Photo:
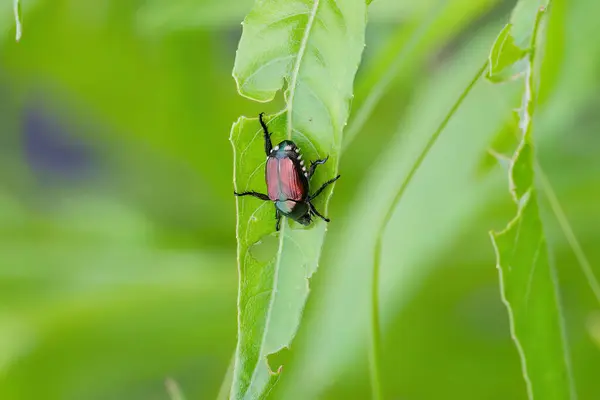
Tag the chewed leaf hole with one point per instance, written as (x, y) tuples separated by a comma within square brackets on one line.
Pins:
[(265, 249), (277, 360)]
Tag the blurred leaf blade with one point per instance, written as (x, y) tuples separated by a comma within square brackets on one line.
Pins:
[(314, 47), (528, 282), (523, 20), (375, 334), (341, 325), (166, 16), (409, 45), (505, 57)]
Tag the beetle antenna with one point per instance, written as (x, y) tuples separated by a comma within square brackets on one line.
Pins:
[(263, 124)]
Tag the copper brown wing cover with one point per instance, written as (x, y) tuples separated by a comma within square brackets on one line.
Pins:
[(283, 180)]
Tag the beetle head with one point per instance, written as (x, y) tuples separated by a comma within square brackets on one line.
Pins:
[(304, 219)]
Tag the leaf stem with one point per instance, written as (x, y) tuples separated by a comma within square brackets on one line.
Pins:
[(529, 95), (173, 389), (375, 351), (17, 12)]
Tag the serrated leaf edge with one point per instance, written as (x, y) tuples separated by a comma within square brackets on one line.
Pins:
[(513, 334)]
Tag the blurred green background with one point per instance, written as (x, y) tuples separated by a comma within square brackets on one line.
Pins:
[(117, 239)]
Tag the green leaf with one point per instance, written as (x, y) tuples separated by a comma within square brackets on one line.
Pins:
[(506, 59), (527, 282), (314, 47), (274, 268)]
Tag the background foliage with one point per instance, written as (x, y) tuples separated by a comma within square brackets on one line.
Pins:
[(117, 241)]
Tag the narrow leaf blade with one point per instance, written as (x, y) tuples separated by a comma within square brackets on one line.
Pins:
[(528, 282), (528, 290), (523, 20)]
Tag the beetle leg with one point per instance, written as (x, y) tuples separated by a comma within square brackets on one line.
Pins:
[(267, 135), (318, 192), (253, 194), (315, 212), (278, 219), (313, 166)]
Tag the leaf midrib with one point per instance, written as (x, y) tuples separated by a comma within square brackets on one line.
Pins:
[(289, 110), (296, 70)]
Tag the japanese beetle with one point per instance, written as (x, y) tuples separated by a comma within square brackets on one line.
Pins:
[(288, 181)]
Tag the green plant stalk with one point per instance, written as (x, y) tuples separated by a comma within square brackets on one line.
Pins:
[(17, 12), (174, 390), (530, 94), (375, 350), (518, 193), (375, 353)]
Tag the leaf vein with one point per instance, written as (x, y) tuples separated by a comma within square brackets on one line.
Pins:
[(263, 66), (296, 70), (260, 166), (249, 144), (282, 19), (295, 243), (252, 216), (320, 100), (536, 256)]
